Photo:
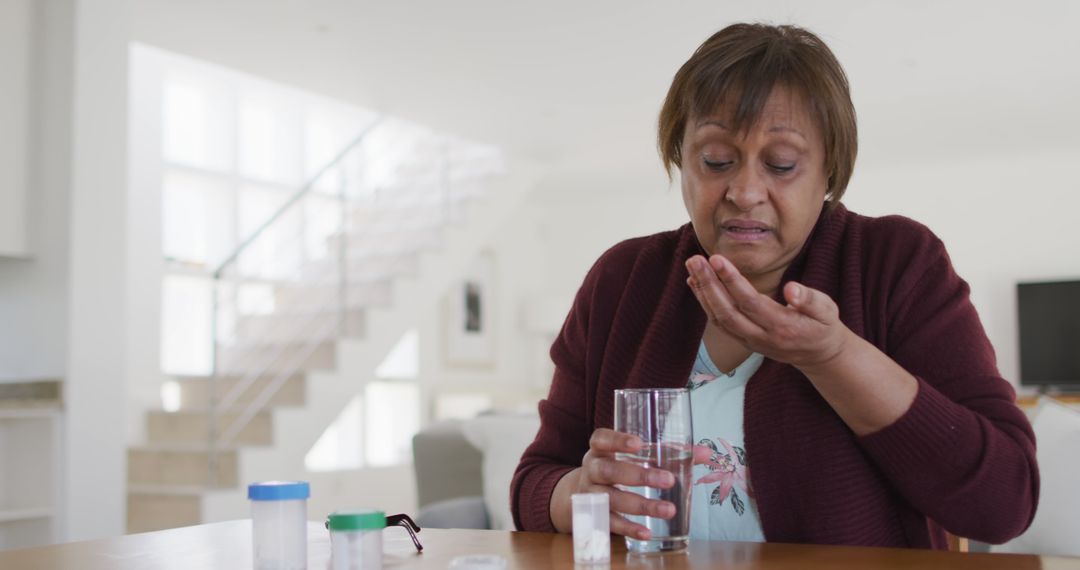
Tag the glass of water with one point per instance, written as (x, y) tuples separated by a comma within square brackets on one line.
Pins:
[(661, 418)]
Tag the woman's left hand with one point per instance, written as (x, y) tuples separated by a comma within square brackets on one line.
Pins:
[(806, 333)]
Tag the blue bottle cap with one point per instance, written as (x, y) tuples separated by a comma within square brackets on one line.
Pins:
[(279, 490)]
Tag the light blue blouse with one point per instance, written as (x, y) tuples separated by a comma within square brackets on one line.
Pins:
[(722, 505)]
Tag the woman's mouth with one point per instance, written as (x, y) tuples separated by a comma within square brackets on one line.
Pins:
[(745, 230)]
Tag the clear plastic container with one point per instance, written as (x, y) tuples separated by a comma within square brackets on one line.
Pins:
[(356, 539), (592, 528), (279, 524)]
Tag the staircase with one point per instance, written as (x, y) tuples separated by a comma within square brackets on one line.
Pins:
[(361, 269)]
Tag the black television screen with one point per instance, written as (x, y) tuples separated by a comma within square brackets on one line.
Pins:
[(1049, 333)]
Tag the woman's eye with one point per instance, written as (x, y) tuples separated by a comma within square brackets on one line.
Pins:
[(717, 165), (780, 168)]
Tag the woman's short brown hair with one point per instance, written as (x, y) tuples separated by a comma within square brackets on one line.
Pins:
[(739, 66)]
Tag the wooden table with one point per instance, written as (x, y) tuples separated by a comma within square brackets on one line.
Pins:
[(228, 545)]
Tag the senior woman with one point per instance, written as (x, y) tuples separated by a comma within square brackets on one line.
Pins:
[(838, 355)]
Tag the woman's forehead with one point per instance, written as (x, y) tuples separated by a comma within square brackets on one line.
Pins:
[(783, 112)]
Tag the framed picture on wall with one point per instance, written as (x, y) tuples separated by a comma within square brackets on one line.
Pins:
[(470, 340)]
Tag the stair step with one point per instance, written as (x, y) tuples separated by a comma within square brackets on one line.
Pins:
[(426, 219), (173, 490), (304, 299), (375, 267), (273, 358), (149, 511), (195, 392), (193, 427), (279, 328), (180, 465), (428, 206), (364, 243), (31, 391), (400, 215), (366, 266)]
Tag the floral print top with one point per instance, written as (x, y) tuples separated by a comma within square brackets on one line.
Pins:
[(722, 502)]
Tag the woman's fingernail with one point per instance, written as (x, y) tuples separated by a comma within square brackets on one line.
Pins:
[(796, 293)]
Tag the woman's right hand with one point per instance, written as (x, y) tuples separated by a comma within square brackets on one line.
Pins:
[(600, 472)]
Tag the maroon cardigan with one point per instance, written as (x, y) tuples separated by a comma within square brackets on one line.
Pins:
[(961, 458)]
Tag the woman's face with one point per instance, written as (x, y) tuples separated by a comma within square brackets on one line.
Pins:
[(755, 198)]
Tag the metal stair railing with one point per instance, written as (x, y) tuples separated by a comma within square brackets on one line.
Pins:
[(304, 246)]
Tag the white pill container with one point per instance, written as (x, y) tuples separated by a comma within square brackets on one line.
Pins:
[(356, 539), (592, 528), (279, 524)]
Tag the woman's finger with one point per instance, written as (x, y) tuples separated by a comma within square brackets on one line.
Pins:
[(717, 301), (607, 471), (760, 309), (811, 302), (629, 503), (607, 442), (621, 526)]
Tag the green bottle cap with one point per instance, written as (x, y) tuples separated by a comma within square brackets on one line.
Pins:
[(356, 520)]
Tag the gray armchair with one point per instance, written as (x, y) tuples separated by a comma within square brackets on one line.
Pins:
[(449, 479)]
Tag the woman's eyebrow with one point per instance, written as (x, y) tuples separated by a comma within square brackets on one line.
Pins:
[(711, 122), (775, 129), (786, 129)]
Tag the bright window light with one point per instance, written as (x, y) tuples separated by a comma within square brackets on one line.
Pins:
[(392, 419), (461, 406), (185, 325), (403, 361), (197, 217), (340, 447), (170, 396), (184, 110)]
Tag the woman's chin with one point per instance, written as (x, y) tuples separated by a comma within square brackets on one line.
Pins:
[(748, 263)]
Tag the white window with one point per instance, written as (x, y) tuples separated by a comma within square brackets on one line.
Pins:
[(234, 150), (376, 428)]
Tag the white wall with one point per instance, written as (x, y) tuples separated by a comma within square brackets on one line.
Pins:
[(389, 489), (145, 268), (33, 292), (506, 378), (16, 35), (541, 256), (95, 391), (579, 219), (1004, 219)]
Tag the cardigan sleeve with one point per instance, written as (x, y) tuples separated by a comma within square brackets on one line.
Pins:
[(963, 453), (565, 425)]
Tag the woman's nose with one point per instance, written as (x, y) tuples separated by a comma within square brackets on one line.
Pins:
[(746, 189)]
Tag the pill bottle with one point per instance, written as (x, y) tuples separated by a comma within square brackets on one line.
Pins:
[(279, 524), (356, 539), (592, 528)]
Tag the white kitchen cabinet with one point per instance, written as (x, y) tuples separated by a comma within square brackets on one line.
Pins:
[(30, 444)]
